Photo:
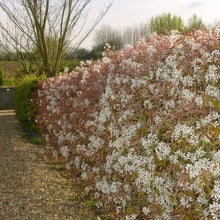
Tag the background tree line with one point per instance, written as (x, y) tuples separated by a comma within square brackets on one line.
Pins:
[(161, 24), (42, 45)]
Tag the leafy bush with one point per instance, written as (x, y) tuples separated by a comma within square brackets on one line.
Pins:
[(141, 127), (70, 64), (24, 106), (9, 82), (23, 71), (1, 76)]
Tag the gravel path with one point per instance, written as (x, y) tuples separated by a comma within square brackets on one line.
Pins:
[(30, 188)]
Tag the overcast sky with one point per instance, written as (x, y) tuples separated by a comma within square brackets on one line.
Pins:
[(133, 12)]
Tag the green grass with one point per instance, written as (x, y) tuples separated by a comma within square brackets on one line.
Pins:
[(8, 82)]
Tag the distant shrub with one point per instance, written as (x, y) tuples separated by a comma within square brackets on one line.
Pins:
[(23, 71), (1, 76), (161, 24), (9, 68), (23, 102), (70, 64)]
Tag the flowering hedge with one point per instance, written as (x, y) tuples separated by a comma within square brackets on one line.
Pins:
[(141, 127)]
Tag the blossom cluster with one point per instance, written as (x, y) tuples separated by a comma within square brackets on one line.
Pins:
[(141, 127)]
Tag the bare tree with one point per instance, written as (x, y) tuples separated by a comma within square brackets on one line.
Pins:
[(131, 33), (107, 34), (45, 28)]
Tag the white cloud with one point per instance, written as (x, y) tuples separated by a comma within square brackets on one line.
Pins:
[(193, 4)]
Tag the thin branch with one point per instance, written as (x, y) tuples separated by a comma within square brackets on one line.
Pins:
[(94, 25), (48, 32)]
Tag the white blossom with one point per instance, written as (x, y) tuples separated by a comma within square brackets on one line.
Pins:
[(188, 81), (182, 130), (162, 150), (143, 181), (215, 194), (64, 150), (151, 139), (106, 60), (146, 211), (212, 75), (212, 91), (106, 187), (131, 217), (188, 95), (147, 104), (214, 210), (199, 101)]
